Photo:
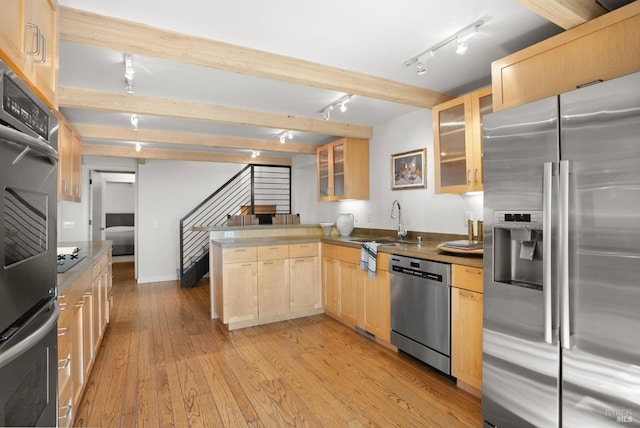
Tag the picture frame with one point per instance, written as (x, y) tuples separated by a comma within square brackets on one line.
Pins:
[(408, 170)]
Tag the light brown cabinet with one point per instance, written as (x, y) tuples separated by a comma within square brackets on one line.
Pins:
[(257, 285), (80, 332), (457, 141), (351, 296), (70, 164), (304, 277), (343, 170), (466, 327), (29, 43), (601, 49)]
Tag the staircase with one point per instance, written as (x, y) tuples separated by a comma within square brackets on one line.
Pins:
[(254, 185)]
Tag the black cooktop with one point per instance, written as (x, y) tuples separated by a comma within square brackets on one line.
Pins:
[(67, 261)]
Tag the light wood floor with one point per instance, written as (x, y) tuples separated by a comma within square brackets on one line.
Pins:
[(164, 363)]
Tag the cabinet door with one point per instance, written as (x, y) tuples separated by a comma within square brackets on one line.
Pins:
[(96, 315), (65, 166), (11, 32), (331, 285), (40, 47), (273, 288), (351, 282), (325, 180), (466, 337), (482, 104), (76, 167), (77, 347), (87, 334), (377, 305), (452, 141), (338, 170), (241, 299), (303, 284)]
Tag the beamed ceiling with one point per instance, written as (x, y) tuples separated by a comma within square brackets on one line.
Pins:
[(216, 80)]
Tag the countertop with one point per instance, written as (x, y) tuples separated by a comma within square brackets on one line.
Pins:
[(426, 250), (93, 251)]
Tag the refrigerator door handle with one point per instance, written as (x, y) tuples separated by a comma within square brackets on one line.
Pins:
[(563, 232), (547, 193)]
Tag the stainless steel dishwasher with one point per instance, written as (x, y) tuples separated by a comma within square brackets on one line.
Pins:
[(421, 310)]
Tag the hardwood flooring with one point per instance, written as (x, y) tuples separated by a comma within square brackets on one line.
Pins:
[(164, 363)]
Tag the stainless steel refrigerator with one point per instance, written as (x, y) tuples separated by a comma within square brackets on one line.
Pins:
[(561, 337)]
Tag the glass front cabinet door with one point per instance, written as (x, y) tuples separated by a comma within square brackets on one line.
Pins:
[(457, 126)]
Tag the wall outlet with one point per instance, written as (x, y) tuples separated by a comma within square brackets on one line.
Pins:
[(68, 225), (229, 234), (468, 215)]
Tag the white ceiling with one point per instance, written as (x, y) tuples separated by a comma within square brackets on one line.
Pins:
[(364, 36)]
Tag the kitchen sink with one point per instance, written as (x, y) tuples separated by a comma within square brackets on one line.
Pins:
[(378, 240)]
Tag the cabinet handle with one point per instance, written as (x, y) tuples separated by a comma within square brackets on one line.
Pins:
[(63, 306), (475, 175), (43, 59), (37, 37), (63, 364), (469, 177), (63, 331), (66, 415), (267, 263), (469, 295), (80, 305), (76, 190), (473, 272), (240, 251), (246, 264)]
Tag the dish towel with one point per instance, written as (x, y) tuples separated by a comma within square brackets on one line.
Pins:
[(368, 254)]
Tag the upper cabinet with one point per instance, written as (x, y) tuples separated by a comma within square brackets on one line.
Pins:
[(457, 141), (29, 44), (70, 164), (343, 170), (598, 50)]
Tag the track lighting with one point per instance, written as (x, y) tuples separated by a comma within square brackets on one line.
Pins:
[(134, 121), (461, 37), (284, 135), (255, 154), (342, 102), (138, 147), (128, 73)]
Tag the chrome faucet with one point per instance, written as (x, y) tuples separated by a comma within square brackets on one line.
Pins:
[(402, 230)]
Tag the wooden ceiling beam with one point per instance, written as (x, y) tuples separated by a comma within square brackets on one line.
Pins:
[(565, 13), (88, 99), (179, 155), (189, 139), (117, 34)]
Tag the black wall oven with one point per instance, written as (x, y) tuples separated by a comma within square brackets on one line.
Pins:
[(28, 307)]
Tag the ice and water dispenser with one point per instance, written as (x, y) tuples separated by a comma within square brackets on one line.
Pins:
[(518, 248)]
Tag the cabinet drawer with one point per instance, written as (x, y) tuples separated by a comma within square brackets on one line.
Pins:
[(273, 252), (469, 278), (328, 251), (348, 254), (64, 365), (239, 255), (303, 250), (65, 405)]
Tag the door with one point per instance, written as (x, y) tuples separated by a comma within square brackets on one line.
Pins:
[(600, 139), (520, 369)]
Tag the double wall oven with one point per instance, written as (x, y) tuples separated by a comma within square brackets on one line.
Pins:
[(28, 308)]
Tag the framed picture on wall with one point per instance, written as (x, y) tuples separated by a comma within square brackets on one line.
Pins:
[(408, 170)]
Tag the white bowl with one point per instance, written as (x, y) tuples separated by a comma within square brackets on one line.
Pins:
[(327, 228)]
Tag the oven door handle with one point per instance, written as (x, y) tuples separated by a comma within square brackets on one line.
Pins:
[(30, 143), (27, 343)]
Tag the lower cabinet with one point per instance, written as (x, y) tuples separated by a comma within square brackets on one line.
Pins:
[(466, 327), (351, 296), (83, 308), (257, 285)]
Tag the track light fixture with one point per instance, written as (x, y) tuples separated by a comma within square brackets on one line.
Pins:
[(128, 73), (138, 146), (255, 154), (285, 135), (461, 37), (341, 102), (134, 121)]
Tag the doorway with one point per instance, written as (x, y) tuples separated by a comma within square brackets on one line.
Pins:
[(113, 211)]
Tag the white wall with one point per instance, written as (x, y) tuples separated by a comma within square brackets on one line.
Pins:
[(118, 197), (167, 190)]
